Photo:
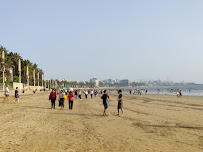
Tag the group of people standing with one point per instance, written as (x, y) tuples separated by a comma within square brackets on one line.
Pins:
[(86, 93), (106, 102), (70, 98), (62, 98), (69, 94), (137, 91)]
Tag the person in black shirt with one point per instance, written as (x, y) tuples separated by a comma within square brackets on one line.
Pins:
[(76, 94), (105, 98), (16, 96), (120, 103)]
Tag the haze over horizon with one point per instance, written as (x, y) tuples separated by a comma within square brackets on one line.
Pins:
[(79, 40)]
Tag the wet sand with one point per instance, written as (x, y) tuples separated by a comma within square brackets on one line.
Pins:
[(157, 123)]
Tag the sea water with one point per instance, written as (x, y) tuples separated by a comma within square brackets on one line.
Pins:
[(187, 90)]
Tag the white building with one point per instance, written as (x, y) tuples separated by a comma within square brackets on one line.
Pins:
[(64, 79), (95, 81)]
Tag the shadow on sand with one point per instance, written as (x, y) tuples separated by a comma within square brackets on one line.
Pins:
[(162, 126), (78, 114), (61, 111), (33, 107)]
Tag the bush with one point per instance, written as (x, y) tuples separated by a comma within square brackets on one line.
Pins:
[(9, 83), (15, 79)]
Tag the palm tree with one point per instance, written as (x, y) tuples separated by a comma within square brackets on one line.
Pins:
[(12, 60)]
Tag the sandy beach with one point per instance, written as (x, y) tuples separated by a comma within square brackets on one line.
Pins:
[(151, 123)]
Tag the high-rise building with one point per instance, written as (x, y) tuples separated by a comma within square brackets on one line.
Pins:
[(125, 82), (94, 81)]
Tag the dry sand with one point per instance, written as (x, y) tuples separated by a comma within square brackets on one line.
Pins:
[(156, 123)]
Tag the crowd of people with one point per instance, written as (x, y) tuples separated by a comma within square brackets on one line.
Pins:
[(158, 91), (70, 95), (137, 91)]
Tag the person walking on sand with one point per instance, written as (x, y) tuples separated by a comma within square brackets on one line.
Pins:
[(95, 93), (91, 93), (16, 96), (76, 94), (71, 99), (7, 92), (105, 98), (80, 94), (61, 99), (52, 97), (86, 93), (120, 103)]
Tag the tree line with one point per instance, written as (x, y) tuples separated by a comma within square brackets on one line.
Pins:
[(12, 60)]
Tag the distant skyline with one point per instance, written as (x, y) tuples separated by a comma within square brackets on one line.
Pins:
[(149, 80), (116, 39)]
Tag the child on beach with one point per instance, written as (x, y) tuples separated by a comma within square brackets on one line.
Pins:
[(6, 94), (120, 103), (180, 92), (16, 96), (71, 98), (105, 98), (52, 97)]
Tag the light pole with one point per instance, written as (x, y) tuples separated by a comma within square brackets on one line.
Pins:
[(38, 80), (34, 78), (4, 78), (48, 84), (19, 69), (28, 78), (45, 83), (42, 80), (3, 66)]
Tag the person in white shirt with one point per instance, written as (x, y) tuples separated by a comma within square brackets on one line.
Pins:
[(91, 93), (6, 94), (80, 94), (86, 93)]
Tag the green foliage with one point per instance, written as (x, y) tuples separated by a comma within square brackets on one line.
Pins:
[(15, 79), (12, 60), (9, 83)]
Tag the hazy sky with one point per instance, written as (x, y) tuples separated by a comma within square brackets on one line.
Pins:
[(81, 39)]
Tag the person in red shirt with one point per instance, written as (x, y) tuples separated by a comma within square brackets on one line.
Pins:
[(52, 97), (71, 98)]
